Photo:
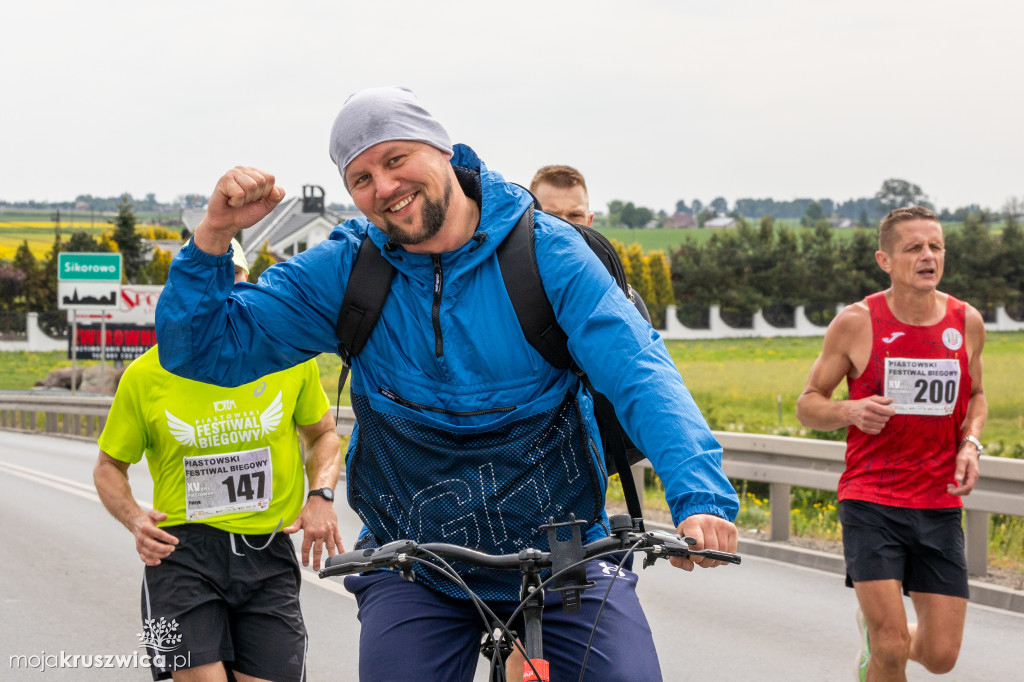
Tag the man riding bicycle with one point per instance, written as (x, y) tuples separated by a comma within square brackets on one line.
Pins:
[(465, 434)]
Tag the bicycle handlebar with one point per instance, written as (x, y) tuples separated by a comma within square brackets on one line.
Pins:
[(655, 544)]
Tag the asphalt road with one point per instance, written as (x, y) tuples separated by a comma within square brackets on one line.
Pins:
[(71, 585)]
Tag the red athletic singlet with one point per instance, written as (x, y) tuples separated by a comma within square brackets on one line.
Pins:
[(924, 369)]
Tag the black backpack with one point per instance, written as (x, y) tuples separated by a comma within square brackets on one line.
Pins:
[(370, 282)]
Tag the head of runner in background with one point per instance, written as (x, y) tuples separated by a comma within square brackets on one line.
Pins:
[(562, 192)]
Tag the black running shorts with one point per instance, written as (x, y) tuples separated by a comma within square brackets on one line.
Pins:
[(219, 597), (922, 548)]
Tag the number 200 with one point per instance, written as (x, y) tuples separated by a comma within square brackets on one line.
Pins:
[(936, 390)]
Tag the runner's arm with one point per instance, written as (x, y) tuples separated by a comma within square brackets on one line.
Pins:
[(110, 476), (318, 519), (815, 408), (967, 470)]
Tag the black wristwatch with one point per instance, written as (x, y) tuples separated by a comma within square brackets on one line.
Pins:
[(326, 493)]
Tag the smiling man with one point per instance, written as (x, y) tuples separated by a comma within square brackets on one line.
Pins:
[(911, 356), (465, 433)]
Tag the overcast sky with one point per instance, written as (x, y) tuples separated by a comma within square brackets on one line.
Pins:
[(653, 100)]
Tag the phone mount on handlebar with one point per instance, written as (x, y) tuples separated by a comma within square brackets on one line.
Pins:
[(569, 580)]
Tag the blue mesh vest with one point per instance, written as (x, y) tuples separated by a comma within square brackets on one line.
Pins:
[(488, 489)]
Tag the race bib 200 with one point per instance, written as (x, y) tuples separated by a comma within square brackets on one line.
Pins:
[(227, 484), (922, 387)]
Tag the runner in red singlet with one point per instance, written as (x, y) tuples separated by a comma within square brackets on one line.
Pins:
[(911, 356)]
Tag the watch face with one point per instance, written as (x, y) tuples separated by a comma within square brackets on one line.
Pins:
[(325, 493)]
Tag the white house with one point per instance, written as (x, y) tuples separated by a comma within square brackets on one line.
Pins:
[(724, 221)]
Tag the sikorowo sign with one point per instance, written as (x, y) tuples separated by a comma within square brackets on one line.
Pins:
[(89, 267), (88, 281)]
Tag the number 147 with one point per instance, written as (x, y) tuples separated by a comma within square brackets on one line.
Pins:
[(245, 488)]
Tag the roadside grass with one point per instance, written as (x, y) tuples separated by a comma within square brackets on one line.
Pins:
[(20, 370), (1006, 542)]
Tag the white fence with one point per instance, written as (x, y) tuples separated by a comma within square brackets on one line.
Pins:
[(35, 340), (674, 329), (761, 328)]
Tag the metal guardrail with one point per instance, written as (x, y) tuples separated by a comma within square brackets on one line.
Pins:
[(54, 413), (779, 461)]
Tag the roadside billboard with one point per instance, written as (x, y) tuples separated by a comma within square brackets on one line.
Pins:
[(123, 341)]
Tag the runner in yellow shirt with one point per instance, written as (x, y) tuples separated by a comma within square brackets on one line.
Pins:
[(227, 479)]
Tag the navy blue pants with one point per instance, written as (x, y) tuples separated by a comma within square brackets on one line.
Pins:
[(413, 633)]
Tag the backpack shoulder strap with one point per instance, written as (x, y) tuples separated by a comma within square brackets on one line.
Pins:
[(518, 262), (368, 287), (517, 259)]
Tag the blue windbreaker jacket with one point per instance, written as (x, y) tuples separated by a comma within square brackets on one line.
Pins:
[(465, 433)]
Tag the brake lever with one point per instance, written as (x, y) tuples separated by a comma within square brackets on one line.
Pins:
[(663, 544)]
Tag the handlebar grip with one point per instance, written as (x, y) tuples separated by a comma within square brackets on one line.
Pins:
[(385, 556), (715, 555), (355, 556), (347, 563)]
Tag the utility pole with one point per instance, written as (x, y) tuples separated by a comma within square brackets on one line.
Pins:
[(56, 219)]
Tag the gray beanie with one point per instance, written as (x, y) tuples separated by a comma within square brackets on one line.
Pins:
[(377, 115)]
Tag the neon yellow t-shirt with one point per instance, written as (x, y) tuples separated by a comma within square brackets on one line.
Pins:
[(227, 457)]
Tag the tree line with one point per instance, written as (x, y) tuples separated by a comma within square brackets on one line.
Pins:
[(148, 204), (893, 193), (764, 266)]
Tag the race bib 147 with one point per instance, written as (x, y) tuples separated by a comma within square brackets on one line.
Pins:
[(227, 484)]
